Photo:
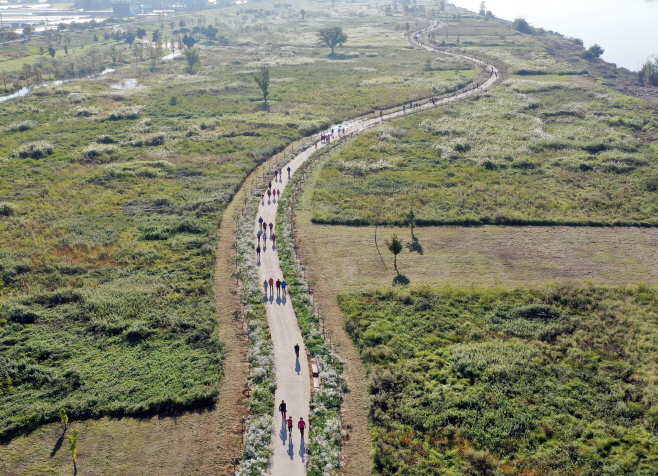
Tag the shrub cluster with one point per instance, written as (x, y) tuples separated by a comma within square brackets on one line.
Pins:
[(34, 150)]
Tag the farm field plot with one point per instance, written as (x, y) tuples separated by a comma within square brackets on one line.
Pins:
[(492, 256), (559, 380)]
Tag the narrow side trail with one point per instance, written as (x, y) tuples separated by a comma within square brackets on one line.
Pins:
[(292, 375)]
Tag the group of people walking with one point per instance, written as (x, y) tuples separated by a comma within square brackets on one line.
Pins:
[(301, 424), (272, 192), (280, 287), (283, 408)]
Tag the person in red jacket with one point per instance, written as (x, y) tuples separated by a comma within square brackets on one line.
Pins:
[(289, 420), (271, 283), (301, 424)]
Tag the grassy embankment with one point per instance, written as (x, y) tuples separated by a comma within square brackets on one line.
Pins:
[(552, 381), (113, 205)]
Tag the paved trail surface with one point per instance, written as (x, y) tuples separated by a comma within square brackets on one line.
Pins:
[(292, 375)]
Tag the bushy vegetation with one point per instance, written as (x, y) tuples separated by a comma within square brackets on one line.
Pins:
[(529, 152), (539, 381), (649, 72)]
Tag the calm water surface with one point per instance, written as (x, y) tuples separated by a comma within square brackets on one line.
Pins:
[(626, 29)]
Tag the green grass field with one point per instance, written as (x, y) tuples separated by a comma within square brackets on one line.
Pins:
[(557, 380), (532, 151)]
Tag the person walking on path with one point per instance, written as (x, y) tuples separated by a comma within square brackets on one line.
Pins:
[(276, 175), (260, 220), (278, 192), (258, 236), (273, 236), (297, 350), (269, 194), (274, 194), (269, 185), (301, 424), (258, 251), (283, 286), (289, 420), (264, 231), (278, 288), (265, 287), (316, 146), (282, 409), (271, 283), (271, 226)]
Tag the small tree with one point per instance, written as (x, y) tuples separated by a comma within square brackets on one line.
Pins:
[(303, 12), (193, 60), (51, 51), (394, 246), (262, 78), (27, 72), (649, 72), (520, 24), (138, 51), (27, 31), (482, 9), (593, 52), (113, 52), (154, 53), (189, 41), (4, 78), (63, 417), (141, 33), (332, 37), (156, 35), (72, 438), (38, 75)]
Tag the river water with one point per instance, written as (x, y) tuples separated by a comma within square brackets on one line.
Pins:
[(626, 29)]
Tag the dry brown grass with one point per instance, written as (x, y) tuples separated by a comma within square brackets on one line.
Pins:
[(482, 256)]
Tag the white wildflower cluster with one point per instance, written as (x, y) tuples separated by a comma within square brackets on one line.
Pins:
[(325, 430), (87, 111), (20, 126), (125, 112), (256, 456), (258, 445), (361, 168), (532, 86), (97, 151)]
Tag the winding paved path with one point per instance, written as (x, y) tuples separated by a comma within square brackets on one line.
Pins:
[(292, 376)]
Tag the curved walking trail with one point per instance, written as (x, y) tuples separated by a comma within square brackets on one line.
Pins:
[(292, 375)]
